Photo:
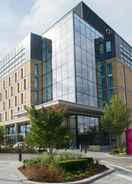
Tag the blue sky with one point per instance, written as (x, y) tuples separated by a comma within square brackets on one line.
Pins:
[(19, 17)]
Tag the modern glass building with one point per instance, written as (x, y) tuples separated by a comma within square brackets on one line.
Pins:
[(79, 62)]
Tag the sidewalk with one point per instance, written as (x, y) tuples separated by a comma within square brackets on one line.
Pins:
[(9, 173)]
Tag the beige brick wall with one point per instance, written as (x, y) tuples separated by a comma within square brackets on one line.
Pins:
[(28, 93), (120, 80), (10, 82)]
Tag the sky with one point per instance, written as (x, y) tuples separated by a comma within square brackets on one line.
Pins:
[(19, 17)]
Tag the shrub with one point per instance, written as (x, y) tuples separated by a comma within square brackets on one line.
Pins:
[(66, 156), (118, 150), (76, 165), (46, 159), (31, 162)]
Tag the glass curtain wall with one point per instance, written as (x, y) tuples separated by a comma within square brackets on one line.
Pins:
[(86, 84), (105, 83), (47, 64), (63, 74)]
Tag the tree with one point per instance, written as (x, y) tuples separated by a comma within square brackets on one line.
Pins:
[(116, 118), (1, 134), (47, 128)]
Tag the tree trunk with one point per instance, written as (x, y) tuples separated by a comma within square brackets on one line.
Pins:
[(50, 150), (118, 140)]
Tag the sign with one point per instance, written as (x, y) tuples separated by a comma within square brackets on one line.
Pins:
[(129, 140)]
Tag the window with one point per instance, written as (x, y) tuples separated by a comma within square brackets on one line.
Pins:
[(22, 98), (9, 103), (36, 97), (110, 82), (9, 81), (101, 48), (5, 116), (0, 97), (6, 94), (36, 83), (108, 46), (24, 84), (15, 100), (18, 87), (22, 73), (11, 91), (36, 69), (109, 69), (11, 114), (3, 105), (15, 77)]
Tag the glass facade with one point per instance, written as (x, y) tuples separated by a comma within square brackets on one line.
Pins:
[(16, 58), (73, 67), (47, 68), (105, 82), (63, 70), (86, 88), (24, 129), (85, 124)]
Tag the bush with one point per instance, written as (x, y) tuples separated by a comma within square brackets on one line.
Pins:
[(76, 165), (10, 149), (118, 150), (46, 159), (66, 156)]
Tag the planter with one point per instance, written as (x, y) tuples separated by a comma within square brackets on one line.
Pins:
[(83, 181)]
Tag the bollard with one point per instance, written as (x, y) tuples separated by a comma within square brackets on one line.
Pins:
[(20, 154)]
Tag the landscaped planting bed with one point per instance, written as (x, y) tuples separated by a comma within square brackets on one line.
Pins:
[(60, 168)]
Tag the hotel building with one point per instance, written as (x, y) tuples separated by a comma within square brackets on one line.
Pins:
[(79, 62)]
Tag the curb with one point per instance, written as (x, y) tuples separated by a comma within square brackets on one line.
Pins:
[(116, 166), (21, 177), (83, 181)]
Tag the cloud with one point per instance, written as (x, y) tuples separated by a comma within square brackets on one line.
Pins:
[(45, 12), (42, 13)]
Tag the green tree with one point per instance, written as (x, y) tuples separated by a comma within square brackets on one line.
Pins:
[(47, 128), (1, 135), (116, 118)]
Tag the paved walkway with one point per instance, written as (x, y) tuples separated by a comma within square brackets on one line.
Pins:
[(122, 161), (115, 178), (9, 173)]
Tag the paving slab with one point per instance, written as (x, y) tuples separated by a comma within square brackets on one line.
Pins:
[(9, 173)]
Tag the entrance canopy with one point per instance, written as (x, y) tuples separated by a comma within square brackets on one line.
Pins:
[(74, 109)]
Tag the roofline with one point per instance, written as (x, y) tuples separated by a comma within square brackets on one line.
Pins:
[(72, 10)]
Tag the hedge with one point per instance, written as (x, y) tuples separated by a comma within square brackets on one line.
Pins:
[(76, 165)]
